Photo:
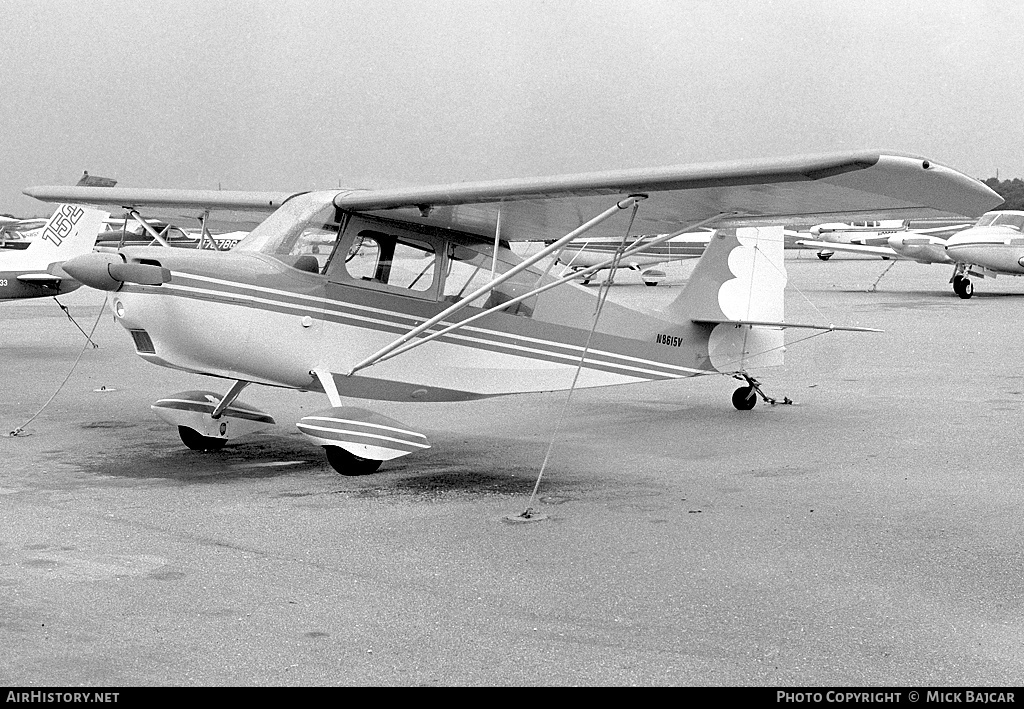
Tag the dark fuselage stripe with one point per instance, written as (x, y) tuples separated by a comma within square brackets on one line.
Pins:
[(493, 341)]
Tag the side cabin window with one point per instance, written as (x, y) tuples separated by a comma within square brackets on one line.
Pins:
[(426, 264), (399, 262), (384, 257)]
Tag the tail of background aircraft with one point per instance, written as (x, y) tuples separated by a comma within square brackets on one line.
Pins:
[(738, 290), (70, 231)]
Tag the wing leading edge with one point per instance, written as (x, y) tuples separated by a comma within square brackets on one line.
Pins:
[(830, 187)]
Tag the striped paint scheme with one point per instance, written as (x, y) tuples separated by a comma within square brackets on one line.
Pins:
[(349, 431), (355, 315), (206, 407), (362, 433)]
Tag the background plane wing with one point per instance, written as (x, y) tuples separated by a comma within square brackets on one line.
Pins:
[(882, 251), (777, 191), (237, 208)]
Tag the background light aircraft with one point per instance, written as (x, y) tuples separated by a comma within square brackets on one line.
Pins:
[(680, 248), (877, 233), (413, 294), (15, 232), (20, 233), (35, 272), (125, 232), (993, 246), (592, 252)]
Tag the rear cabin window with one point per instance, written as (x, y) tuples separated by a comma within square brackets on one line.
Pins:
[(469, 268)]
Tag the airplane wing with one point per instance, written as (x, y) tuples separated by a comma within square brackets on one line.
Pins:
[(831, 187), (246, 208), (882, 251)]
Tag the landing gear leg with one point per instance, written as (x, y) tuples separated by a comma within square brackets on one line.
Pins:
[(745, 397)]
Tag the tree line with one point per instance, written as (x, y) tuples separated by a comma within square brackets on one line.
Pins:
[(1010, 190)]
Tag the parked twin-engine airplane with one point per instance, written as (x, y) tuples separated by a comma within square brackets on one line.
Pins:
[(35, 271), (414, 294), (991, 247), (877, 233)]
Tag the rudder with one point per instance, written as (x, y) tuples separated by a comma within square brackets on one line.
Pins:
[(740, 280)]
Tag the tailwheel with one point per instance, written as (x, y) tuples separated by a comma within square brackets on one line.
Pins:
[(963, 287), (198, 442), (744, 398), (346, 463)]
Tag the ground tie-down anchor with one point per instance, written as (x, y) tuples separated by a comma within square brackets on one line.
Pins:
[(755, 386), (527, 515)]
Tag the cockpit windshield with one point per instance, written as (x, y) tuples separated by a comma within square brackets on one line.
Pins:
[(1014, 220), (301, 233)]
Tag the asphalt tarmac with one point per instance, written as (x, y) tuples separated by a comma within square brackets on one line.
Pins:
[(870, 534)]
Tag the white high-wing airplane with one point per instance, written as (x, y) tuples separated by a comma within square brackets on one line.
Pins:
[(35, 272), (14, 232), (413, 294), (121, 232), (592, 252)]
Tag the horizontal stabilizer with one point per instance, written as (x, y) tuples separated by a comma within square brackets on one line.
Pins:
[(784, 325), (39, 279)]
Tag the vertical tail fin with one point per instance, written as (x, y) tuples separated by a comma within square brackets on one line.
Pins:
[(70, 231), (738, 282)]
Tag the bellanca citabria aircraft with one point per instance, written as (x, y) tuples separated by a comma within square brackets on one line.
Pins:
[(35, 271), (413, 294)]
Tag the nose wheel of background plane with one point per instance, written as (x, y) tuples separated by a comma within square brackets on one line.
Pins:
[(963, 287)]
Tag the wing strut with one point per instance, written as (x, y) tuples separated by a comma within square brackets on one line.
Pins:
[(487, 287), (638, 245), (204, 232), (228, 399), (145, 225)]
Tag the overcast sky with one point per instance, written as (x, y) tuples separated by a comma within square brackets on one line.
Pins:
[(283, 95)]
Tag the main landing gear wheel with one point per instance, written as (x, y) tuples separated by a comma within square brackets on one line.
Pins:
[(963, 287), (744, 398), (825, 255), (346, 463), (198, 442)]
